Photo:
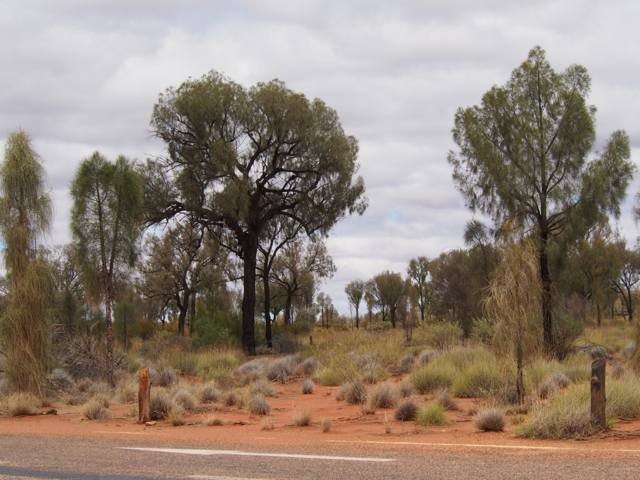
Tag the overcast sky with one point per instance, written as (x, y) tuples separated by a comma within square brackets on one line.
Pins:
[(82, 75)]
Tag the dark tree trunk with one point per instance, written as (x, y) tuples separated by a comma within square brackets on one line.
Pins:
[(192, 315), (267, 308), (183, 306), (547, 314), (357, 319), (250, 252), (287, 312), (392, 310)]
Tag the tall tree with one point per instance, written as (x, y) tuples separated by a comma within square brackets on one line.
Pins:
[(629, 276), (389, 287), (355, 291), (523, 156), (300, 266), (418, 271), (25, 215), (237, 158), (277, 234), (105, 224)]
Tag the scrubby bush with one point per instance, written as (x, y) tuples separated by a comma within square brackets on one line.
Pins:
[(385, 396), (307, 386), (176, 417), (432, 414), (184, 397), (479, 380), (161, 404), (432, 377), (258, 404), (302, 418), (445, 400), (103, 399), (353, 392), (94, 409), (623, 399), (406, 389), (443, 335), (330, 377), (126, 391), (22, 403), (166, 377), (229, 398), (263, 387), (214, 421), (209, 392), (407, 411), (308, 366), (326, 425), (629, 349), (426, 356), (490, 420), (552, 383), (278, 371)]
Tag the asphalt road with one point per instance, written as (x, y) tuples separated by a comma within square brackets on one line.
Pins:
[(61, 458)]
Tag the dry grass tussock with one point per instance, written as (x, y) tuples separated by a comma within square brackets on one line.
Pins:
[(209, 392), (406, 389), (214, 421), (230, 398), (490, 419), (94, 409), (433, 414), (385, 396), (263, 387), (102, 398), (302, 418), (258, 404), (161, 404), (278, 371), (268, 423), (183, 395), (22, 403), (127, 391), (353, 393), (307, 386), (325, 424), (554, 382), (445, 399), (177, 418), (407, 411)]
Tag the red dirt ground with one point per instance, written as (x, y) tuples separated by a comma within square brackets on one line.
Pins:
[(349, 428)]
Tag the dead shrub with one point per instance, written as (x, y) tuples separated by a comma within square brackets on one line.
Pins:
[(184, 397), (268, 423), (166, 377), (407, 411), (103, 399), (161, 404), (126, 391), (406, 389), (326, 425), (229, 398), (177, 418), (309, 366)]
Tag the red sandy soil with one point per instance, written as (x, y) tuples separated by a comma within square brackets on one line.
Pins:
[(349, 428)]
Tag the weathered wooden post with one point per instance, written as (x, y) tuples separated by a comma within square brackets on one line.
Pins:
[(598, 396), (144, 396)]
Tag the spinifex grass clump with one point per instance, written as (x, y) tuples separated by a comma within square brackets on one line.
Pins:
[(385, 396), (94, 409), (432, 414), (407, 411), (257, 404), (302, 418), (353, 392), (307, 386), (490, 420), (22, 403)]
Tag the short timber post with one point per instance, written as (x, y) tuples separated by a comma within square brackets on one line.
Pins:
[(310, 339), (144, 396), (598, 396)]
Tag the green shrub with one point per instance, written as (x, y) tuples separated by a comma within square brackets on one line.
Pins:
[(432, 414), (330, 377), (300, 328), (432, 377), (443, 335), (623, 399), (480, 380), (483, 329), (220, 329)]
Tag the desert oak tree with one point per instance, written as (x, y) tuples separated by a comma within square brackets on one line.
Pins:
[(524, 157), (236, 158)]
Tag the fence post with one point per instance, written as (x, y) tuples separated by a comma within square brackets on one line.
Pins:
[(598, 395), (144, 396)]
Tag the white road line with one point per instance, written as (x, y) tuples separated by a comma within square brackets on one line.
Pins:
[(477, 445), (186, 451), (214, 477)]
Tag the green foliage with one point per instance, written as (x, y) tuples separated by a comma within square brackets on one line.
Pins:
[(433, 414), (483, 329), (442, 335), (532, 135), (25, 215), (300, 328), (221, 329), (480, 380), (433, 377)]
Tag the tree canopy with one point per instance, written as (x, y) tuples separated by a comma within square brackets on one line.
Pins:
[(524, 157), (236, 158)]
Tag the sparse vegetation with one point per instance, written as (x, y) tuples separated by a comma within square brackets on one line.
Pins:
[(257, 404), (326, 425), (21, 403), (385, 396), (214, 421), (302, 418), (307, 386), (94, 409), (353, 392)]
